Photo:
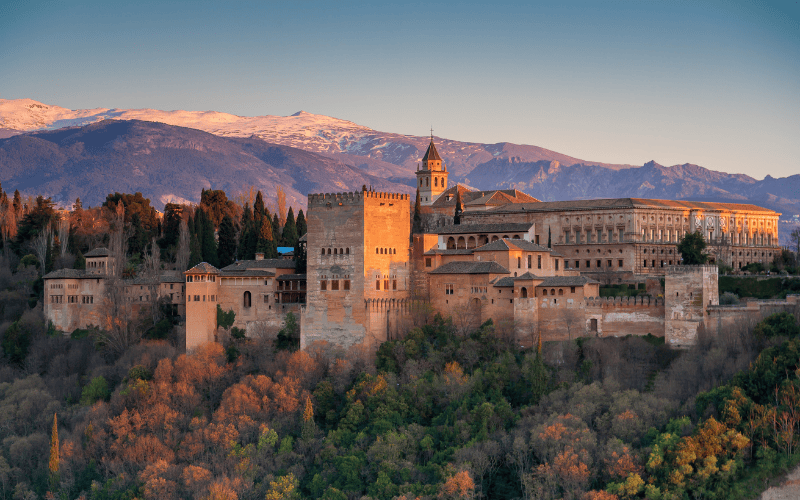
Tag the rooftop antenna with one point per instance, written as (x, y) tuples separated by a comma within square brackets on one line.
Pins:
[(431, 133)]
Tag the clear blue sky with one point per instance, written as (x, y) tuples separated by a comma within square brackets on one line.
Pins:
[(716, 83)]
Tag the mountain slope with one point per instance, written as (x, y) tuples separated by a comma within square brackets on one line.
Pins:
[(167, 163)]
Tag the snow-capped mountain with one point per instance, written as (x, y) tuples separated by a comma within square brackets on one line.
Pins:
[(316, 133)]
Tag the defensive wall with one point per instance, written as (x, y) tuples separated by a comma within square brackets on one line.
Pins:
[(724, 318), (620, 316)]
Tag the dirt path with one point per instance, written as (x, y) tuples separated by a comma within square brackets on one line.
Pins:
[(788, 490)]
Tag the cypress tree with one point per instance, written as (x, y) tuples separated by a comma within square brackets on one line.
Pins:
[(195, 251), (276, 231), (302, 228), (227, 241), (208, 243), (17, 204), (258, 206), (459, 208), (54, 453), (290, 237), (265, 242), (246, 224), (416, 224)]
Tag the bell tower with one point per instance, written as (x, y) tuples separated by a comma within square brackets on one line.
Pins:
[(432, 177)]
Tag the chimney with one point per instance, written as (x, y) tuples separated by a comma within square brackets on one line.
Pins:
[(260, 256)]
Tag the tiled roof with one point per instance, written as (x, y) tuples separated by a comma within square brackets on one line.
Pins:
[(566, 281), (506, 227), (98, 252), (504, 282), (304, 237), (203, 268), (431, 153), (461, 267), (171, 277), (300, 277), (508, 244), (450, 251), (139, 280), (473, 197), (247, 272), (616, 203), (70, 273), (260, 264)]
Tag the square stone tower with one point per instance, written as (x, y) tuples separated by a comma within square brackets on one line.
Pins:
[(202, 296), (688, 291), (358, 268)]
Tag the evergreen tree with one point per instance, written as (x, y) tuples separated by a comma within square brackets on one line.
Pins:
[(258, 207), (17, 204), (195, 251), (80, 261), (302, 228), (416, 224), (207, 242), (246, 224), (300, 258), (172, 225), (265, 242), (227, 241), (289, 238), (276, 231), (459, 208), (691, 249)]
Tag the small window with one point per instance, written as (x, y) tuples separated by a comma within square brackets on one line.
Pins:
[(619, 263), (347, 284), (323, 285), (323, 251), (376, 250), (394, 284), (572, 289), (556, 264), (385, 284), (524, 292), (561, 291), (599, 263), (377, 284), (448, 289), (347, 251), (335, 251), (334, 284), (427, 262), (544, 292)]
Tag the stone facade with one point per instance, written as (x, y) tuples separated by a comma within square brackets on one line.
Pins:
[(640, 236), (260, 292), (359, 269), (432, 177)]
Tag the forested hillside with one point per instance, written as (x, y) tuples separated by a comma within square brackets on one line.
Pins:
[(435, 415)]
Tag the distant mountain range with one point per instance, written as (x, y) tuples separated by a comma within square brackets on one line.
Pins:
[(171, 155)]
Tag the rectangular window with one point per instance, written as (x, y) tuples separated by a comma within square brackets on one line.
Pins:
[(529, 261), (577, 264), (539, 262), (609, 263), (572, 289), (620, 262), (599, 263), (266, 299), (645, 263), (394, 284), (556, 264), (170, 286), (334, 284), (323, 285), (377, 284), (385, 284), (537, 239), (588, 264), (427, 262), (448, 289), (347, 284)]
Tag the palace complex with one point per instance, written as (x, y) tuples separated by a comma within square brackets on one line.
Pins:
[(535, 268)]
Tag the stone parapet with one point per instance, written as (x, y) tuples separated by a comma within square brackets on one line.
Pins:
[(639, 300), (351, 198)]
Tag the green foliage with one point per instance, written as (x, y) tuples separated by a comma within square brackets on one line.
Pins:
[(780, 324), (691, 247), (289, 335), (96, 390), (160, 330), (754, 267), (140, 372), (225, 319), (16, 342), (227, 241), (80, 261), (745, 286), (290, 236)]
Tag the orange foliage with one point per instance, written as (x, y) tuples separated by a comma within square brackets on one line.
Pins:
[(459, 485), (622, 464), (599, 495)]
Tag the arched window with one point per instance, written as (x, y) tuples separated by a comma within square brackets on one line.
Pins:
[(323, 251), (436, 182), (427, 182), (561, 291), (347, 251), (246, 301), (329, 251), (451, 242), (544, 292), (524, 292), (335, 251), (341, 251), (519, 261), (552, 291)]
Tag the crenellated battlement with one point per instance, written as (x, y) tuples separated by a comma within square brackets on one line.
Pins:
[(637, 301), (352, 198), (691, 269)]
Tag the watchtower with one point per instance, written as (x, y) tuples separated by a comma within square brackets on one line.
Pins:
[(432, 177), (358, 268)]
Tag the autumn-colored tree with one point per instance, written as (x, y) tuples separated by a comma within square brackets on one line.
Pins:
[(54, 455), (309, 426), (459, 485)]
